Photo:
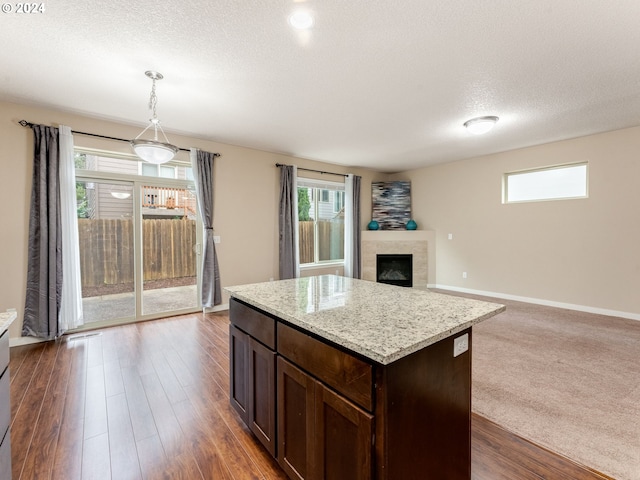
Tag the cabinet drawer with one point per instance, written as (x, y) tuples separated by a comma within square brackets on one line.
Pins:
[(257, 324), (5, 407), (4, 350), (343, 372)]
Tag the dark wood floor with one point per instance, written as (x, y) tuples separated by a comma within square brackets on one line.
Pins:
[(150, 400)]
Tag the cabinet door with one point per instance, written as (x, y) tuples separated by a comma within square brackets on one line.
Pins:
[(262, 394), (296, 392), (239, 371), (343, 436)]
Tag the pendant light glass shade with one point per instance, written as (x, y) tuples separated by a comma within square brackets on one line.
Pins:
[(154, 151)]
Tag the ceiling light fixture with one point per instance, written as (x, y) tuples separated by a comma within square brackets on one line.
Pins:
[(121, 192), (154, 151), (480, 125), (301, 20)]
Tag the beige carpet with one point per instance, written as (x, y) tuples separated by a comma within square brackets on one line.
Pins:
[(566, 380)]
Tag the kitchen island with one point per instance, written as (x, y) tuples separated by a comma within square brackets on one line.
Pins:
[(343, 378)]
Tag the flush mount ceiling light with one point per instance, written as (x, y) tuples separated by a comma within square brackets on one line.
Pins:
[(301, 20), (154, 151), (480, 125)]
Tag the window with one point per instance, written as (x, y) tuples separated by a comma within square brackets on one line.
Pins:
[(338, 204), (120, 163), (550, 183), (321, 221), (152, 170)]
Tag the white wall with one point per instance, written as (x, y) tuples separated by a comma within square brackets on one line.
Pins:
[(578, 252), (245, 179)]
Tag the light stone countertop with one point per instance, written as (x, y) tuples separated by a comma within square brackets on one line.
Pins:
[(381, 322), (6, 319)]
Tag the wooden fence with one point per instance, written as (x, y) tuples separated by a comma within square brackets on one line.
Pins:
[(106, 250), (330, 241)]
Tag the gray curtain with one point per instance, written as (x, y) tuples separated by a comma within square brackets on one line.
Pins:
[(202, 163), (288, 222), (44, 268), (356, 227)]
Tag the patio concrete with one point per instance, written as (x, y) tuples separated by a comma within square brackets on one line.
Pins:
[(122, 305)]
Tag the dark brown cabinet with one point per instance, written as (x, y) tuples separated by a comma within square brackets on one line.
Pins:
[(343, 437), (262, 394), (321, 434), (239, 379), (327, 413), (296, 400), (253, 372)]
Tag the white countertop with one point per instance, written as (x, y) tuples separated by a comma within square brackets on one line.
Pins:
[(6, 318), (381, 322)]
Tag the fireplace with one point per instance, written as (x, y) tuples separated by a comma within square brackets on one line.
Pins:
[(414, 242), (395, 269)]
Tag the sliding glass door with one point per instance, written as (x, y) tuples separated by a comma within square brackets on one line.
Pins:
[(169, 249), (139, 240), (107, 245)]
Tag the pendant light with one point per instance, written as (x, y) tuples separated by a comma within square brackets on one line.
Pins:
[(154, 151)]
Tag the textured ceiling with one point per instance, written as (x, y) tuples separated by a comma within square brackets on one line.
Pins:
[(377, 83)]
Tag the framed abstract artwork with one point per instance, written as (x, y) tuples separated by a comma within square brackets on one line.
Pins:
[(391, 204)]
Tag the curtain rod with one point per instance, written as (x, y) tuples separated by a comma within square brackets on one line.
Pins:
[(24, 123), (312, 170)]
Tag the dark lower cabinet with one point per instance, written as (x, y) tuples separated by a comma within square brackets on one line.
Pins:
[(343, 437), (325, 413), (239, 378), (252, 385), (321, 434), (262, 394), (296, 400)]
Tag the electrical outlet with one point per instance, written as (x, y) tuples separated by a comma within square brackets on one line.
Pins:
[(460, 344), (450, 236), (216, 239)]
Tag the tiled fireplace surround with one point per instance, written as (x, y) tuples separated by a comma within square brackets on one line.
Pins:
[(419, 243)]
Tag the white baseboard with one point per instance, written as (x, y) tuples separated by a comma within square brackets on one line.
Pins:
[(217, 308), (539, 301), (16, 342)]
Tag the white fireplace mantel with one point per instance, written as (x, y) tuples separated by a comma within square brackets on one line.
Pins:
[(419, 243)]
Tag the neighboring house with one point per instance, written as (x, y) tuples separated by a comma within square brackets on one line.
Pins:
[(330, 203), (116, 201)]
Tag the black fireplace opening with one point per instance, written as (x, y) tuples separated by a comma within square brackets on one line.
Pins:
[(395, 269)]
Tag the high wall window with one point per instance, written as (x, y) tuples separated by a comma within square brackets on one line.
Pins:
[(321, 222), (549, 183)]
